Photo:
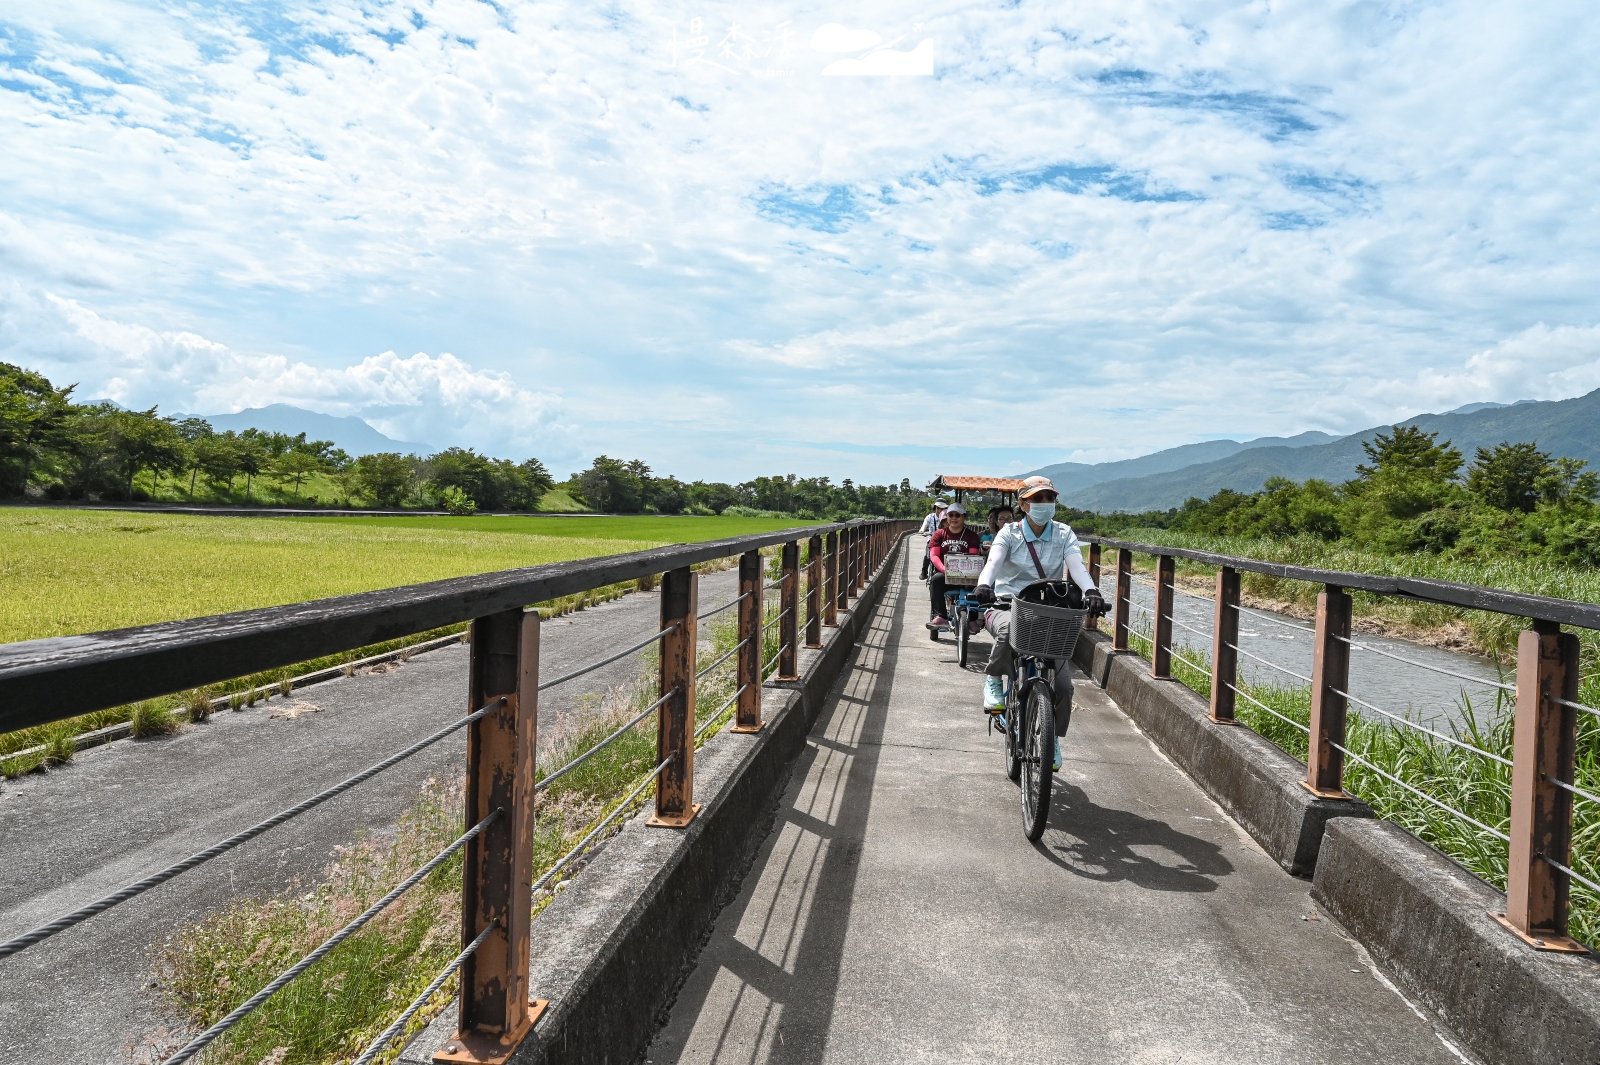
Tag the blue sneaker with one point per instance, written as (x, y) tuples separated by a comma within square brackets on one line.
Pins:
[(1057, 768), (994, 694)]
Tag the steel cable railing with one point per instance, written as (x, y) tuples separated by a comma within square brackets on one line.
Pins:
[(724, 606), (139, 887), (1188, 628), (1579, 877), (1281, 717), (771, 662), (723, 709), (551, 778), (776, 618), (1424, 665), (731, 652), (250, 1005), (1574, 789), (1173, 651), (1272, 620), (566, 858), (1419, 793), (1576, 706), (591, 667), (1270, 665), (386, 1036), (1421, 728)]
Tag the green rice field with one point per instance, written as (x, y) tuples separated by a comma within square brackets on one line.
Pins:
[(68, 571)]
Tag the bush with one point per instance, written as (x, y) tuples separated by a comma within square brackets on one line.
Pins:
[(456, 502), (198, 705), (1577, 542)]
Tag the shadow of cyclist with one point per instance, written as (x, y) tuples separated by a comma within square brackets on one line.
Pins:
[(1100, 843)]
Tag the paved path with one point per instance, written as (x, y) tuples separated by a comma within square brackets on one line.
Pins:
[(897, 914), (120, 812)]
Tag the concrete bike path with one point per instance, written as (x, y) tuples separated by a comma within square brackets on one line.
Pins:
[(120, 812), (896, 913)]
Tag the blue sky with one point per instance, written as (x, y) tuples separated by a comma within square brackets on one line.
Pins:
[(1095, 230)]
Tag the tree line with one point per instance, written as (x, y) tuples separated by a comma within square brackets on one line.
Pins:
[(623, 487), (52, 447), (1414, 493)]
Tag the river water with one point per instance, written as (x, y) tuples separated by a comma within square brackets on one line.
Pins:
[(1411, 691)]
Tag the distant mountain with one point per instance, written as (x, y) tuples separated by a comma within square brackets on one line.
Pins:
[(350, 433), (1568, 427), (1073, 476)]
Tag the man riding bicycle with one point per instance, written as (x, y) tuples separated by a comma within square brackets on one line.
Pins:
[(930, 525), (1036, 548)]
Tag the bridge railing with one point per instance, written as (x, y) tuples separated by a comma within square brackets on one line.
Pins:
[(48, 680), (1539, 836)]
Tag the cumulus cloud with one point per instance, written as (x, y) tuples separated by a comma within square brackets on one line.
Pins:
[(421, 397)]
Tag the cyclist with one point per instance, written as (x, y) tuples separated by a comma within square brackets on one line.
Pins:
[(955, 538), (930, 525), (1036, 548)]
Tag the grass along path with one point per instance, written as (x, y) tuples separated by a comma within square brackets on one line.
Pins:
[(331, 1012), (1477, 786)]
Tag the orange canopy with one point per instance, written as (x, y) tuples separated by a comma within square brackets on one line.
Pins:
[(981, 484)]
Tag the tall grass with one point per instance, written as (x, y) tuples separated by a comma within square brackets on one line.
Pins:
[(332, 1011), (1476, 786)]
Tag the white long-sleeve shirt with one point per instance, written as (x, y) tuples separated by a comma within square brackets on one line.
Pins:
[(1010, 567), (929, 524)]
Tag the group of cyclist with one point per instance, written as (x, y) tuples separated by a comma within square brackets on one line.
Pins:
[(1019, 552)]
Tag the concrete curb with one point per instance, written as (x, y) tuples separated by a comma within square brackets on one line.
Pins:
[(1248, 776), (611, 951), (1425, 921)]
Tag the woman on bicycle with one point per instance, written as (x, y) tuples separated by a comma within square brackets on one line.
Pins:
[(954, 538), (1036, 548)]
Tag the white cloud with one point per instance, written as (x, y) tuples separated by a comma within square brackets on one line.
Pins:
[(424, 397), (1124, 226)]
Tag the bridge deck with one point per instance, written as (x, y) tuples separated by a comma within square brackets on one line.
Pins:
[(896, 913)]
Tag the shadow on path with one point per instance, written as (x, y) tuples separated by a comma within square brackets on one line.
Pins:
[(1100, 843)]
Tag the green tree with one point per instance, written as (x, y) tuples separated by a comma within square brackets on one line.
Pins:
[(140, 440), (297, 465), (1409, 450), (385, 476), (612, 486), (1566, 483), (35, 418), (1509, 476)]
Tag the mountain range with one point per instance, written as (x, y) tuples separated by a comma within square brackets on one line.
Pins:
[(1569, 427), (352, 434)]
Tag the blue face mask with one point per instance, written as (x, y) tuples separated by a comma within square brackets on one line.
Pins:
[(1041, 513)]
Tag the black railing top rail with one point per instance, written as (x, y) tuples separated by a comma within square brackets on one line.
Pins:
[(1425, 589), (47, 680)]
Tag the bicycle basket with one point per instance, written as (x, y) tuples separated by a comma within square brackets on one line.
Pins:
[(1041, 631)]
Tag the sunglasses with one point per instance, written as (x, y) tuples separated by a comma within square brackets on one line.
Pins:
[(1042, 497)]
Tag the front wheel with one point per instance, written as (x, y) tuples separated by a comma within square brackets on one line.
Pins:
[(1037, 740), (963, 633), (1013, 718)]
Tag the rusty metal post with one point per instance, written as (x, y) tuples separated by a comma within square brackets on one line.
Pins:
[(789, 605), (680, 601), (1161, 624), (853, 581), (1224, 659), (747, 715), (842, 582), (497, 875), (814, 592), (1544, 739), (830, 587), (1330, 674), (1119, 614), (1094, 575)]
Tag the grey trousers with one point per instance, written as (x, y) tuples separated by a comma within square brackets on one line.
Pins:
[(998, 625)]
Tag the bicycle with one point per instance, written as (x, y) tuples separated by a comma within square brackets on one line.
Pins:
[(1046, 620)]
